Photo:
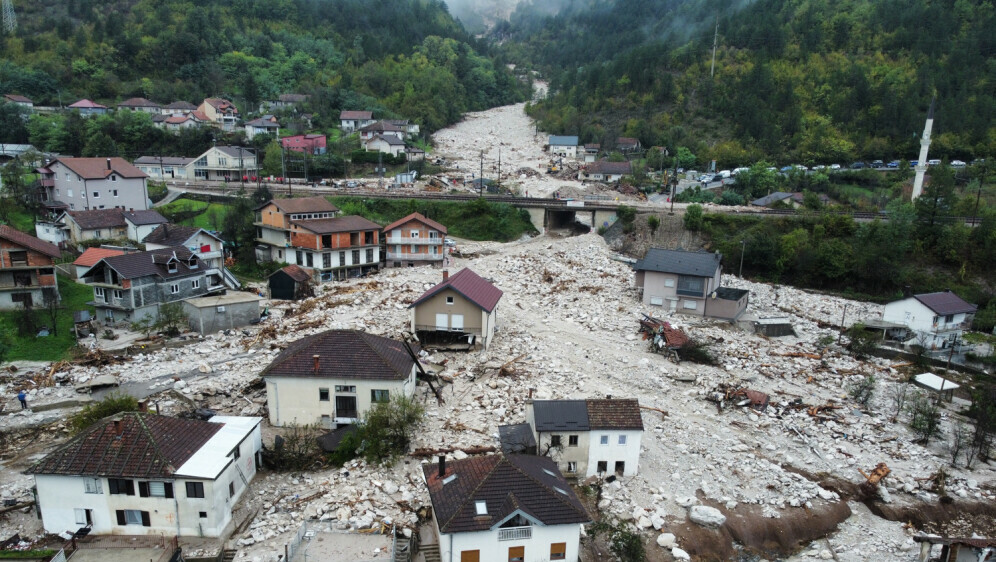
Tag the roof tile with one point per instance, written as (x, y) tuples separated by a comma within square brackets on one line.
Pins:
[(28, 241), (469, 284), (343, 354), (415, 217)]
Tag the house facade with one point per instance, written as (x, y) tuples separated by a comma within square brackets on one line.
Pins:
[(388, 144), (19, 100), (498, 508), (628, 144), (564, 146), (27, 269), (87, 108), (591, 152), (291, 283), (206, 246), (462, 308), (224, 163), (350, 121), (100, 224), (141, 104), (588, 437), (381, 128), (85, 184), (265, 125), (415, 240), (220, 112), (686, 282), (937, 320), (606, 171), (138, 473), (311, 144), (164, 167), (333, 378), (179, 108)]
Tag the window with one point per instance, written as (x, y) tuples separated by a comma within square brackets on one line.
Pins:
[(231, 489), (572, 467), (342, 258), (949, 318), (323, 395), (449, 300), (558, 551), (669, 282), (195, 284), (622, 439), (414, 234), (326, 260), (18, 258), (516, 554), (481, 507), (155, 489), (657, 301), (98, 293), (356, 257), (379, 396), (171, 266), (174, 288), (202, 514), (114, 178), (120, 486), (603, 467), (195, 489), (692, 286), (603, 440), (114, 192), (69, 192), (310, 259), (96, 195), (237, 452), (80, 516), (370, 256), (133, 517), (92, 486), (572, 440), (118, 294), (554, 440), (690, 305), (350, 388)]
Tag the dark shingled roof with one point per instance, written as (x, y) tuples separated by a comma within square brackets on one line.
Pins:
[(349, 223), (945, 303), (99, 218), (295, 272), (184, 105), (141, 218), (171, 235), (28, 241), (153, 262), (560, 415), (472, 286), (138, 102), (417, 217), (292, 205), (680, 262), (343, 354), (607, 168), (617, 413), (129, 445), (525, 483)]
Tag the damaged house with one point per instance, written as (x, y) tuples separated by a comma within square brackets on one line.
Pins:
[(688, 282), (334, 377), (936, 320), (463, 308)]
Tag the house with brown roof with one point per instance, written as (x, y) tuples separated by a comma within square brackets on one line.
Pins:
[(290, 283), (603, 170), (588, 437), (591, 151), (462, 309), (138, 473), (130, 287), (208, 247), (109, 224), (283, 101), (415, 240), (220, 112), (934, 320), (382, 128), (87, 108), (265, 125), (141, 104), (84, 184), (333, 378), (495, 508), (350, 121), (19, 100), (188, 120), (689, 283), (179, 108), (27, 269), (627, 144), (164, 167)]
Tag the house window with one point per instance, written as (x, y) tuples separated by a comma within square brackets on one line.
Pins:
[(356, 257), (342, 258), (949, 318), (622, 439), (690, 285), (133, 517), (92, 486), (174, 288), (481, 507), (171, 267), (572, 467), (231, 489), (323, 395), (98, 293), (237, 452), (690, 305), (657, 301), (114, 192), (572, 440), (118, 486), (202, 514), (558, 551), (516, 554), (370, 256), (379, 396), (339, 388), (326, 260), (554, 440), (310, 259), (602, 467), (155, 489), (69, 192), (118, 294), (80, 516), (449, 300), (669, 282), (96, 195), (603, 440), (195, 489), (114, 178), (18, 258)]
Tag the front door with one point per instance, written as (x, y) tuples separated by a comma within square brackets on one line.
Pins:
[(442, 322), (470, 556), (620, 468), (345, 407)]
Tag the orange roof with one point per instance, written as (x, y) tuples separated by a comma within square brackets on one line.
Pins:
[(416, 217), (91, 256)]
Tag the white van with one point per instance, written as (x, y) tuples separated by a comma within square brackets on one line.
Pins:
[(725, 173)]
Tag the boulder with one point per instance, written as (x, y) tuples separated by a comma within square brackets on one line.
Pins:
[(706, 516), (679, 554), (666, 540)]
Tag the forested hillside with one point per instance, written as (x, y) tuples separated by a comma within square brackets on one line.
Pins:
[(812, 81), (406, 58)]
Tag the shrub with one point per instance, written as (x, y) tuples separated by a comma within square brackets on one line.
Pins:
[(654, 222), (172, 319), (863, 390), (925, 417), (693, 218), (111, 404), (388, 427), (862, 342)]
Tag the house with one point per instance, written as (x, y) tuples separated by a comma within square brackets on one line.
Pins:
[(273, 224), (588, 437), (410, 129), (463, 307), (85, 184), (52, 230), (224, 163), (265, 125), (179, 108), (311, 144), (771, 198), (220, 112), (164, 167), (688, 282), (353, 120), (142, 223), (186, 121), (389, 144), (141, 104), (955, 549), (603, 170), (207, 315), (415, 240), (627, 144), (207, 246), (937, 320), (591, 152), (333, 378), (90, 257), (19, 100), (132, 286), (495, 508), (290, 283), (27, 269), (87, 108), (336, 248), (100, 224), (382, 128), (137, 473), (283, 101), (564, 146)]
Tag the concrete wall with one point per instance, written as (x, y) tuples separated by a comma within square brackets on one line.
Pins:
[(566, 454), (208, 320), (612, 451), (296, 400), (537, 547), (725, 309)]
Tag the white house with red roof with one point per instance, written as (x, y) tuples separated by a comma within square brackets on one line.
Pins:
[(87, 107), (138, 473), (462, 309), (936, 320), (90, 257), (352, 120)]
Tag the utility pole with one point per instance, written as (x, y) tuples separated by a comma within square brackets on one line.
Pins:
[(283, 164), (842, 316), (499, 168), (743, 250), (481, 178), (715, 41), (674, 192), (921, 164)]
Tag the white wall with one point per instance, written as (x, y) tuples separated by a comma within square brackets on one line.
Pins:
[(919, 318), (295, 400), (537, 548), (613, 451)]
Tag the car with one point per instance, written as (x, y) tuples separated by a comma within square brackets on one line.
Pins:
[(717, 177), (958, 164), (834, 166), (448, 242), (933, 162), (858, 166), (894, 164), (978, 162), (351, 184), (772, 169), (786, 169), (725, 173), (877, 164), (738, 170), (800, 167), (819, 167), (914, 163)]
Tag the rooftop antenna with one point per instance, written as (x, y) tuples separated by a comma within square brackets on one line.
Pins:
[(9, 17), (921, 165)]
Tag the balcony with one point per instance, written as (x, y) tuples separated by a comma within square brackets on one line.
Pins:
[(515, 534), (413, 257), (410, 240)]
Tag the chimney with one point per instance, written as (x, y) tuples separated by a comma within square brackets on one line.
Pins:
[(442, 466), (446, 274), (143, 405), (316, 357), (108, 163)]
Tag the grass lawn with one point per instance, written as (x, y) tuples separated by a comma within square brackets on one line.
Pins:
[(51, 348), (209, 216), (22, 221)]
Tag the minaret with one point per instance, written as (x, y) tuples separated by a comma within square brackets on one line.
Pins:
[(921, 165)]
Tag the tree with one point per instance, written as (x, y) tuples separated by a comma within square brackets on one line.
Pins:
[(52, 307), (925, 417), (653, 222), (693, 218), (172, 319), (862, 341), (685, 157), (388, 427), (113, 403), (272, 160), (900, 391), (862, 390), (626, 215), (145, 325), (238, 228)]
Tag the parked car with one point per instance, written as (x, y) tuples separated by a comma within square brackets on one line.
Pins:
[(877, 164), (819, 167), (894, 164), (738, 170), (449, 243), (958, 164), (834, 166), (933, 162), (725, 173), (978, 161), (914, 163), (786, 169), (858, 166)]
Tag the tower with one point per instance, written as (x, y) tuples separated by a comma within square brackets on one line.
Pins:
[(921, 165), (9, 18)]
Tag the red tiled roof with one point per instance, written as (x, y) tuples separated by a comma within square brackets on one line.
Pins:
[(221, 104), (356, 115), (469, 284), (417, 217), (98, 168), (85, 103), (93, 255), (351, 223), (347, 354), (530, 484), (28, 241), (616, 413), (945, 303), (138, 102), (129, 445)]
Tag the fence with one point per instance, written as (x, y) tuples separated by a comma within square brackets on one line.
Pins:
[(168, 545)]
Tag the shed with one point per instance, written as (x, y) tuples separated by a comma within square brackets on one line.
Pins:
[(221, 312), (290, 283), (937, 384)]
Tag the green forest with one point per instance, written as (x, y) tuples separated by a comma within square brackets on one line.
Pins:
[(805, 81), (399, 58)]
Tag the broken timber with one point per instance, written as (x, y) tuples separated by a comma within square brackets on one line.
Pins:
[(422, 374)]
